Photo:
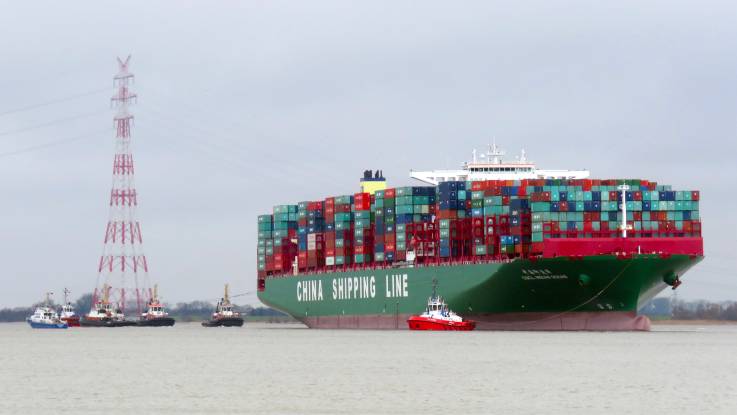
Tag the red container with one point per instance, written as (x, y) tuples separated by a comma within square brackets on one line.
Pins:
[(447, 214), (389, 194), (695, 196), (362, 201)]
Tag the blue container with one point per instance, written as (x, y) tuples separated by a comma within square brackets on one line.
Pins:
[(646, 205), (519, 204), (563, 196), (596, 195), (554, 207), (403, 219)]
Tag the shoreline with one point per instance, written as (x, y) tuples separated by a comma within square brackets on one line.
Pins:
[(693, 322)]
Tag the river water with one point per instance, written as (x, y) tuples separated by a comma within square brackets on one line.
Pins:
[(279, 368)]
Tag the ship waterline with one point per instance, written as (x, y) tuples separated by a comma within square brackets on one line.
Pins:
[(599, 292)]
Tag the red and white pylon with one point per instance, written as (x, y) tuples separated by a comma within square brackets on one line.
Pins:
[(123, 265)]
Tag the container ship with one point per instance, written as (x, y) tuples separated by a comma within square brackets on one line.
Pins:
[(507, 245)]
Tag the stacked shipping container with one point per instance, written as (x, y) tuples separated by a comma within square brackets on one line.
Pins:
[(461, 220)]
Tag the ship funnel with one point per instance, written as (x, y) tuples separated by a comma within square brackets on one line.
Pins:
[(371, 182)]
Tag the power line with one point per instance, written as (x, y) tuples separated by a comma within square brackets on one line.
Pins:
[(53, 101), (49, 123), (53, 143)]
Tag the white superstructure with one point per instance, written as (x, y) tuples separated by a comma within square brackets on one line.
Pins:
[(491, 166)]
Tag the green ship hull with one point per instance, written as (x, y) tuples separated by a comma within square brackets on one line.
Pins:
[(600, 292)]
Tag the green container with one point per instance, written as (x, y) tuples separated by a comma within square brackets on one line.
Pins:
[(343, 200), (343, 217)]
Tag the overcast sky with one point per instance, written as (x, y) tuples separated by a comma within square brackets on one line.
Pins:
[(243, 105)]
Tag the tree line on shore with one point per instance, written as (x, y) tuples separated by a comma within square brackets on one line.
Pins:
[(690, 310), (191, 311)]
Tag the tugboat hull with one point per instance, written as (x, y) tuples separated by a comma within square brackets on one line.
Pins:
[(422, 323), (224, 322), (106, 323), (156, 322), (36, 325), (71, 321)]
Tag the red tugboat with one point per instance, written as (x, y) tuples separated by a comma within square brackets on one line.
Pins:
[(438, 316), (67, 314)]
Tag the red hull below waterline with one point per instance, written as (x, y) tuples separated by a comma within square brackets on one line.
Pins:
[(424, 323), (71, 321)]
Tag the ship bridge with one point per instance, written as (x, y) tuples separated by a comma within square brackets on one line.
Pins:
[(492, 166)]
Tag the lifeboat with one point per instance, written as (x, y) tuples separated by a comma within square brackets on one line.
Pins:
[(438, 316), (224, 315)]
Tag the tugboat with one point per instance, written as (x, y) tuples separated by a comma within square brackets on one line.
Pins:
[(102, 313), (224, 314), (155, 316), (45, 317), (67, 311), (438, 316)]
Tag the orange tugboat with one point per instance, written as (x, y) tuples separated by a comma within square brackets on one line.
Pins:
[(103, 314), (438, 316), (224, 314), (155, 315)]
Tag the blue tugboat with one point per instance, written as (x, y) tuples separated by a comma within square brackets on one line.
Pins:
[(45, 317)]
